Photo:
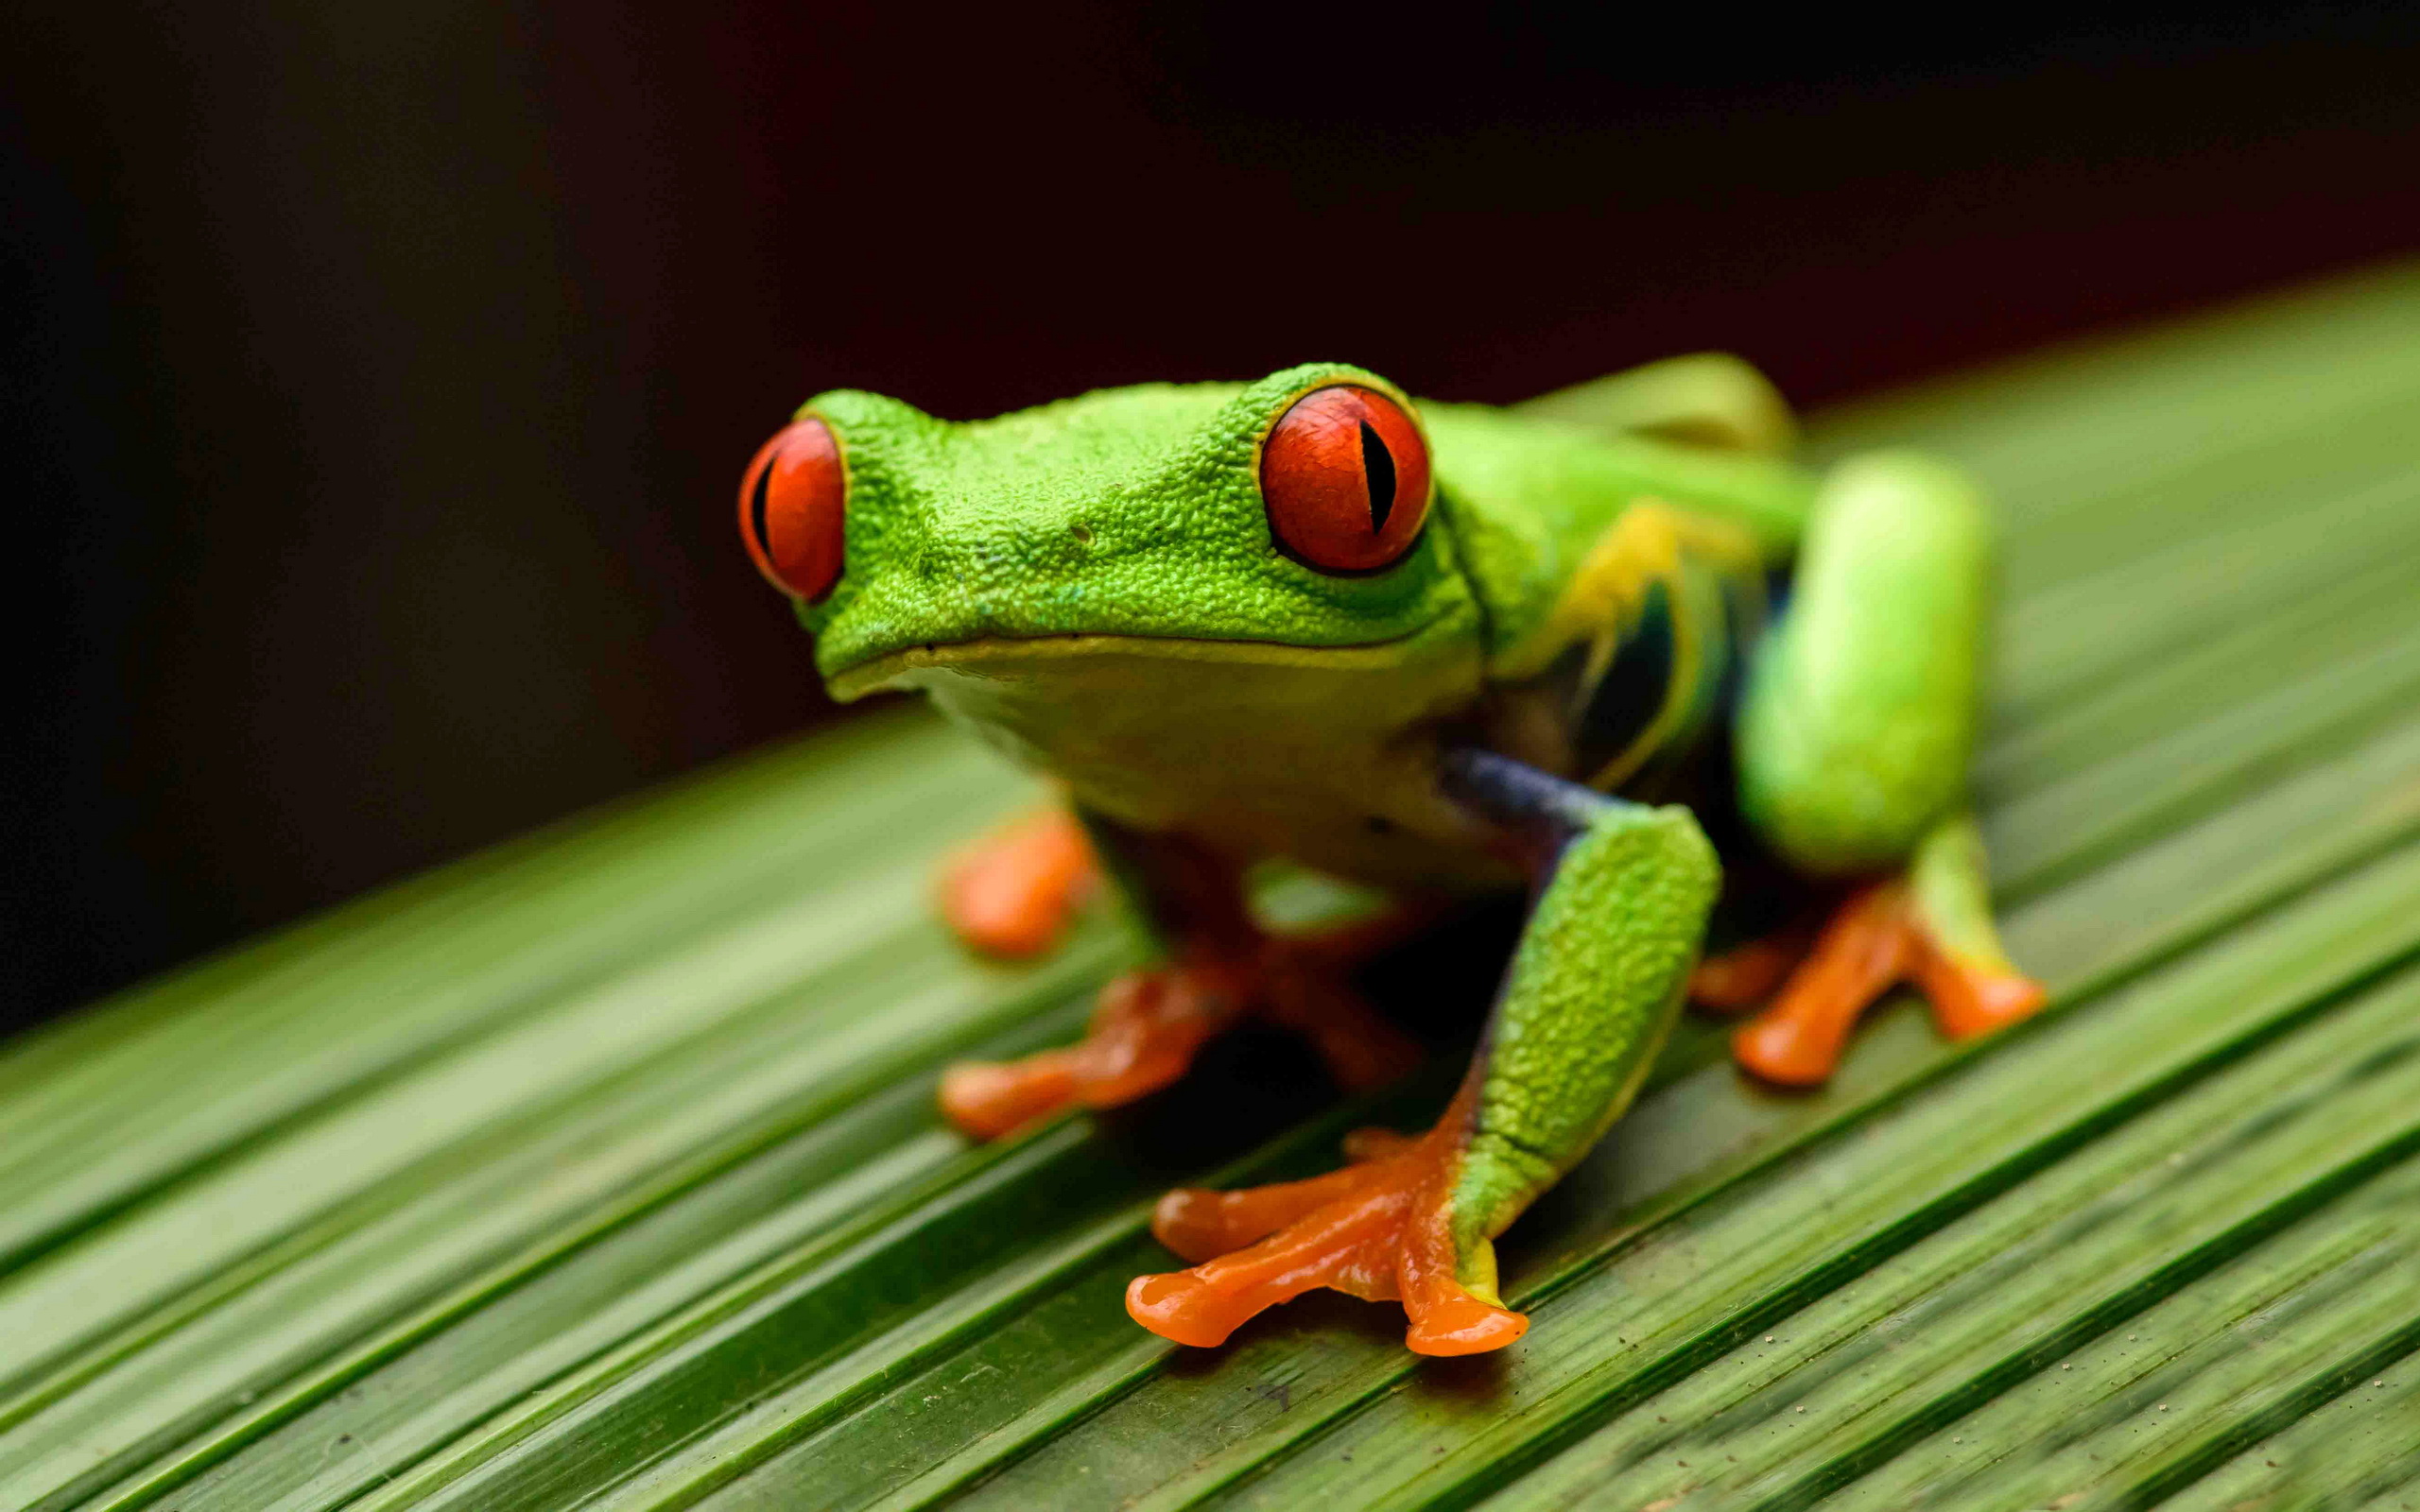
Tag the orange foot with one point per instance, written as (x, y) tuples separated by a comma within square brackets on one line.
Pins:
[(1144, 1031), (1380, 1229), (1875, 940), (1149, 1025), (1013, 892)]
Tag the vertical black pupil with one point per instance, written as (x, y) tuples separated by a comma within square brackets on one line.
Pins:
[(759, 504), (1378, 466)]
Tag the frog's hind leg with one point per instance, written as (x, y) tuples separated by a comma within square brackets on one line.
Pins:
[(1013, 893), (1622, 900), (1704, 399), (1853, 748)]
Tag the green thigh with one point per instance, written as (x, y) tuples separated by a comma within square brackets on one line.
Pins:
[(1860, 715)]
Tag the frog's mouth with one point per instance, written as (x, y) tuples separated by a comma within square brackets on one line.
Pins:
[(1002, 656)]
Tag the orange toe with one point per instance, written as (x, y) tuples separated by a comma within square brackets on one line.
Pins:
[(1464, 1325), (1184, 1309), (987, 1099), (1201, 1225), (1867, 946), (1012, 894), (1971, 1000)]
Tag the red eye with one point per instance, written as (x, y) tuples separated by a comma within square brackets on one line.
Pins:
[(792, 503), (1344, 477)]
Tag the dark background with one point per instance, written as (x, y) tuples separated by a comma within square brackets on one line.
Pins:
[(376, 377)]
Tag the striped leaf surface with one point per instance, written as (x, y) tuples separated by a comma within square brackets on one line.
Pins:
[(600, 1169)]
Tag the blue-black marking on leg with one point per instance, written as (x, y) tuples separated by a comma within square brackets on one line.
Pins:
[(1538, 810), (1752, 633), (1636, 686)]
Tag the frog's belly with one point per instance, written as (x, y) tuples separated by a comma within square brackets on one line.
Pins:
[(1324, 756)]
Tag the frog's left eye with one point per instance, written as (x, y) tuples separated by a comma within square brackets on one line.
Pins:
[(1344, 477), (792, 504)]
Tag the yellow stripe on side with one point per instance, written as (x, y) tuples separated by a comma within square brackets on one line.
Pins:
[(1698, 560)]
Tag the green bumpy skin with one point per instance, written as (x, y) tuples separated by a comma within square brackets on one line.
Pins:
[(1861, 711), (1526, 500), (1135, 511)]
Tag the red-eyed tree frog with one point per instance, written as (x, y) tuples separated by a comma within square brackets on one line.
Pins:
[(1435, 648)]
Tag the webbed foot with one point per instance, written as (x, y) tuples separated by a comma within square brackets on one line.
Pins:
[(1149, 1024), (1381, 1230), (1881, 936), (1145, 1030)]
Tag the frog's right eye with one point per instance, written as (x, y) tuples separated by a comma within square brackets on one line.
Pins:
[(792, 504)]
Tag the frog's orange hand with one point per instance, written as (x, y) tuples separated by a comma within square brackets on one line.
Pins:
[(1144, 1032), (1013, 893), (1381, 1230), (1149, 1025), (1932, 927)]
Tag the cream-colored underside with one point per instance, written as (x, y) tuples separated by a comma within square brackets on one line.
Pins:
[(1326, 755)]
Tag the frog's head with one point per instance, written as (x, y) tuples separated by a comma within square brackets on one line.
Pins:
[(1293, 512)]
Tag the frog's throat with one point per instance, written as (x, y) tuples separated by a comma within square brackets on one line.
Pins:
[(899, 668)]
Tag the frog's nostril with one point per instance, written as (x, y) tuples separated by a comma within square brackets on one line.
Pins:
[(1083, 534)]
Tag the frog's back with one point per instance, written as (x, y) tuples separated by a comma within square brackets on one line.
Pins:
[(1527, 500), (1622, 580)]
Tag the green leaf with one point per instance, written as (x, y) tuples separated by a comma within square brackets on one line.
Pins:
[(600, 1169)]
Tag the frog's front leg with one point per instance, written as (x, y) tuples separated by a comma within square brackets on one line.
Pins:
[(1220, 965), (1622, 892), (1854, 742)]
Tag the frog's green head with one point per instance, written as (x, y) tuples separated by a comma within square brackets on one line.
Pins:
[(1293, 512)]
